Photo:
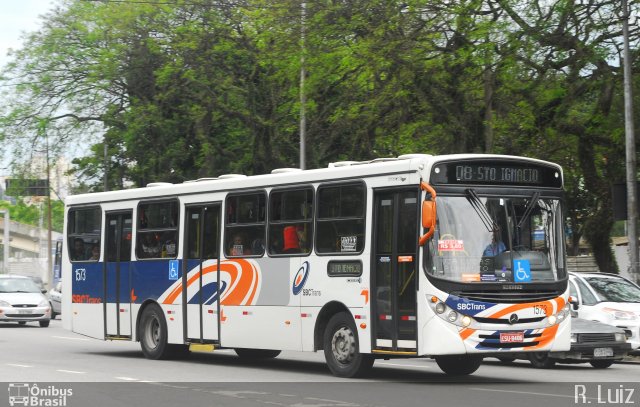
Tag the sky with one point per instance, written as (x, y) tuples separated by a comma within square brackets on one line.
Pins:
[(16, 18)]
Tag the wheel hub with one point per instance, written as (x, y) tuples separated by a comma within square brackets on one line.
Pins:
[(343, 345)]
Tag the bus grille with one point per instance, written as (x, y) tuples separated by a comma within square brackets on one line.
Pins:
[(505, 321), (509, 297)]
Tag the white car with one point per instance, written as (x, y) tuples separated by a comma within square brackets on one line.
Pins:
[(22, 301), (55, 299), (610, 299)]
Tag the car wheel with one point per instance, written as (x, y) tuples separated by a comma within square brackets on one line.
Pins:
[(341, 349), (53, 313), (541, 360), (246, 353), (44, 324), (601, 364), (458, 365)]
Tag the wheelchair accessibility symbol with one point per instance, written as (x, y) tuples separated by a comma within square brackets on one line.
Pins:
[(521, 271), (173, 269)]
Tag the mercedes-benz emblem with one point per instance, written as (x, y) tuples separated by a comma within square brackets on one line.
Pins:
[(513, 318)]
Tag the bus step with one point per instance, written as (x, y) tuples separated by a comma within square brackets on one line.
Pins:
[(202, 347), (393, 352), (117, 338)]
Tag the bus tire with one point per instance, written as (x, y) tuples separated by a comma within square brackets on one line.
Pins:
[(458, 365), (246, 353), (341, 350), (601, 364), (541, 360), (153, 333)]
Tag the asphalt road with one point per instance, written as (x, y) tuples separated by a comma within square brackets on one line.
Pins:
[(101, 373)]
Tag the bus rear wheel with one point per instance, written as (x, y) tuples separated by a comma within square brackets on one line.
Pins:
[(341, 349), (153, 335), (246, 353), (458, 365)]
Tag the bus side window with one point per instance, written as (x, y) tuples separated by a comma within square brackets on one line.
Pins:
[(84, 230), (157, 235), (340, 223), (290, 221), (245, 226)]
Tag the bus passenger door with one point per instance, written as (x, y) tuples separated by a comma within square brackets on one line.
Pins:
[(117, 277), (200, 273), (394, 283)]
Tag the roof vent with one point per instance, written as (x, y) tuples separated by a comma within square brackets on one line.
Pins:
[(228, 176), (283, 170), (158, 184), (342, 164), (410, 156)]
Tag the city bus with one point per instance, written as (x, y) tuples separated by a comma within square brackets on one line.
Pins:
[(450, 257)]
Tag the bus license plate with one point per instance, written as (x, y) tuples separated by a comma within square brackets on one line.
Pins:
[(511, 337), (602, 352)]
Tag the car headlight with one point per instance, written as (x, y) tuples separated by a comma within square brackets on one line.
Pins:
[(621, 337), (574, 338), (620, 314), (43, 303), (4, 304)]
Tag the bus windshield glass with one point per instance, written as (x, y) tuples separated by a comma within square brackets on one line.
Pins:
[(497, 239)]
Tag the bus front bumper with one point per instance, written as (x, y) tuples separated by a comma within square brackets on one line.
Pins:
[(443, 338)]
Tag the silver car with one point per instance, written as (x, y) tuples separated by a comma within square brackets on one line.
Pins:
[(22, 301)]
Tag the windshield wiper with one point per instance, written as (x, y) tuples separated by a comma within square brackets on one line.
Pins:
[(527, 212), (480, 209)]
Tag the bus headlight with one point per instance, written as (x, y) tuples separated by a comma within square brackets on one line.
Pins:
[(452, 316), (440, 308), (552, 319), (447, 313), (466, 320)]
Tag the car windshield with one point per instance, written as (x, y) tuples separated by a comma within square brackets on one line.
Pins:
[(497, 239), (18, 285), (614, 289)]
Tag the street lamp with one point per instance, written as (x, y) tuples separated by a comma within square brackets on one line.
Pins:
[(5, 241)]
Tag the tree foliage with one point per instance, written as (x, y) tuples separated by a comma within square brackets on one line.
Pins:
[(176, 90)]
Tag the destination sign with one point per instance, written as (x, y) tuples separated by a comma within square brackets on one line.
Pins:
[(497, 173)]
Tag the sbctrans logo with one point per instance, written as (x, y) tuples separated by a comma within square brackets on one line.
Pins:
[(300, 278), (32, 395)]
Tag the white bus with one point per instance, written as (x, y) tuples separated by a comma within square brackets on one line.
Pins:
[(454, 257)]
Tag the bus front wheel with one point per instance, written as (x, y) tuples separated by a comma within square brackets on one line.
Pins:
[(341, 349), (458, 365)]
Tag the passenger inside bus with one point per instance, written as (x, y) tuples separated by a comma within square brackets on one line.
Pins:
[(238, 248), (79, 250), (293, 238)]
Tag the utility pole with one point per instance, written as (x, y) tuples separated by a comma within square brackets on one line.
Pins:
[(303, 96), (632, 192)]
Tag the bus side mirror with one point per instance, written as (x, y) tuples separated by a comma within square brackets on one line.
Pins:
[(428, 213)]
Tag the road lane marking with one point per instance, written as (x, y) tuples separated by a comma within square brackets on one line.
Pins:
[(128, 379), (70, 338), (526, 392), (17, 365), (70, 371)]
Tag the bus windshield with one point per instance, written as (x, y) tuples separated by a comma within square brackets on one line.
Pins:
[(497, 239)]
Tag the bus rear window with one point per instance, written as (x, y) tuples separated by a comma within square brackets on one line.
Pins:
[(84, 228)]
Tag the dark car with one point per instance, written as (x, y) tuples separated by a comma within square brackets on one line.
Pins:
[(591, 342)]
